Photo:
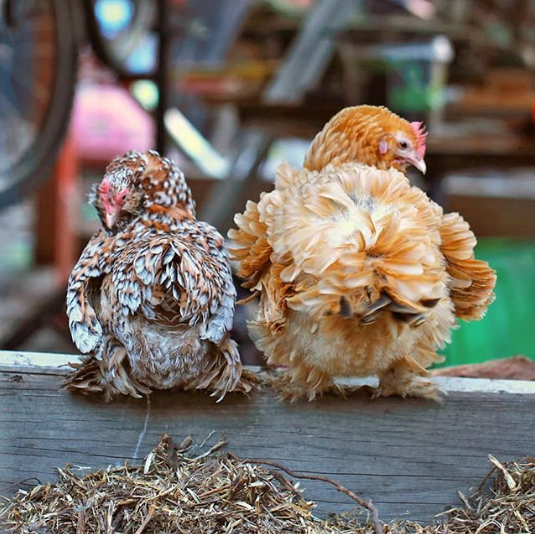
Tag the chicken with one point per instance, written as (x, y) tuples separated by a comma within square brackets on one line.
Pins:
[(151, 299), (359, 273)]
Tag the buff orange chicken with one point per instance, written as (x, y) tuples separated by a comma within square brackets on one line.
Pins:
[(358, 272)]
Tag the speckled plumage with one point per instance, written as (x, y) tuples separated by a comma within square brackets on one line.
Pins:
[(358, 272), (151, 300)]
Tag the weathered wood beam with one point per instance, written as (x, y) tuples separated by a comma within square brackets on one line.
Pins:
[(407, 455)]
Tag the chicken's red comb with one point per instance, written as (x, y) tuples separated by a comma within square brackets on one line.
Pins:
[(418, 129), (104, 186)]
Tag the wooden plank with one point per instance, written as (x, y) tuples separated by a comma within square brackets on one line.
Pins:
[(58, 364), (36, 362), (409, 456)]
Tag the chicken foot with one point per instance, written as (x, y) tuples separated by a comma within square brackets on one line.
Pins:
[(406, 378)]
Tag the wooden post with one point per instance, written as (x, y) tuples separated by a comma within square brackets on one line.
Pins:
[(56, 242)]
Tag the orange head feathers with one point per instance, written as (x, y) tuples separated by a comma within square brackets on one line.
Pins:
[(369, 135)]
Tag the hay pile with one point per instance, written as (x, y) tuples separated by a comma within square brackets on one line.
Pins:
[(172, 492), (507, 507), (175, 492)]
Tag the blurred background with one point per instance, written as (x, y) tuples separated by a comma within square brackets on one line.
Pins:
[(230, 89)]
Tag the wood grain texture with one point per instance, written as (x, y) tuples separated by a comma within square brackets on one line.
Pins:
[(409, 456)]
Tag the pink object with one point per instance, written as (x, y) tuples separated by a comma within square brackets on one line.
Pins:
[(107, 122), (421, 135), (383, 146)]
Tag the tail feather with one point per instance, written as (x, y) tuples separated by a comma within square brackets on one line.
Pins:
[(472, 281), (225, 373), (102, 376), (380, 303)]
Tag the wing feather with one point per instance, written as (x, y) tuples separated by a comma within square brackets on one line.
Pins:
[(82, 292), (170, 281)]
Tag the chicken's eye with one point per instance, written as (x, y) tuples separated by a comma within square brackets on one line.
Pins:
[(403, 145), (122, 194)]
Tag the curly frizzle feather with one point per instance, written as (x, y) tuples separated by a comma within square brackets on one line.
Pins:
[(356, 269), (355, 229), (250, 247), (152, 298), (472, 281)]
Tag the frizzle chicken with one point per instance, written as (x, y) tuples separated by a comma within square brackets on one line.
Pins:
[(151, 299), (358, 272)]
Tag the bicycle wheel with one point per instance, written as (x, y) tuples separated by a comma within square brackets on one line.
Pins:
[(117, 28), (37, 79)]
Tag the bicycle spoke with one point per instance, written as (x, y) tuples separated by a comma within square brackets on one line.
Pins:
[(16, 139), (37, 74), (19, 132), (6, 105), (20, 59), (35, 88)]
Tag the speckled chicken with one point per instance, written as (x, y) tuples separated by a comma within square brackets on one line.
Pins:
[(151, 299), (358, 272)]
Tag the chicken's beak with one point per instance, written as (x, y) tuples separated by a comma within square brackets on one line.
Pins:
[(418, 163), (111, 217), (421, 166)]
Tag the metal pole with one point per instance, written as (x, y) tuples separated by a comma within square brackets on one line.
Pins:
[(310, 52), (162, 74)]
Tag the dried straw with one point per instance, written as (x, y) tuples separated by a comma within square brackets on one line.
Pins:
[(172, 492), (175, 492), (507, 506)]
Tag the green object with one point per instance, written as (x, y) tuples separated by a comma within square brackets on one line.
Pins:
[(508, 328), (415, 86)]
